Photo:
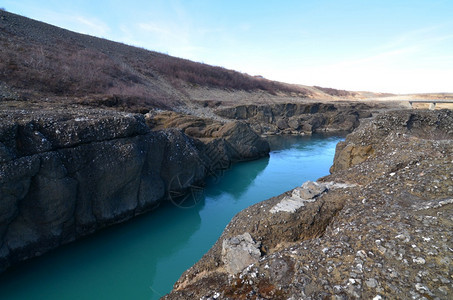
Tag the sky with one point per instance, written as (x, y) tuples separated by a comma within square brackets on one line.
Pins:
[(389, 46)]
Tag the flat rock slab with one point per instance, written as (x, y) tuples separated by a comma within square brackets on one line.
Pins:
[(299, 196)]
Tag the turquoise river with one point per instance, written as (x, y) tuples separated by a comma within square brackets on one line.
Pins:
[(142, 258)]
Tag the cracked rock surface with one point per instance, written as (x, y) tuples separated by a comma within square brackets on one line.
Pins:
[(382, 229)]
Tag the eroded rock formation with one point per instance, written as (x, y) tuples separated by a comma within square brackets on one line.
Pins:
[(379, 227), (223, 142), (68, 172), (300, 118)]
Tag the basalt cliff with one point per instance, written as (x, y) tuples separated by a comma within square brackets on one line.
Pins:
[(67, 172), (379, 227)]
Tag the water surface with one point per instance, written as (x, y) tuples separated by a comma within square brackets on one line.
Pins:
[(142, 258)]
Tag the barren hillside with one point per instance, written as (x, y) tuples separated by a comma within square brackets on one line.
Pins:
[(41, 62)]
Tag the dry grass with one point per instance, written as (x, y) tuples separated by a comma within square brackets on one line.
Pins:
[(46, 61), (444, 106), (179, 70), (335, 92), (60, 71)]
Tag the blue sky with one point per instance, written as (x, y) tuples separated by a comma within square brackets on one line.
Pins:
[(382, 46)]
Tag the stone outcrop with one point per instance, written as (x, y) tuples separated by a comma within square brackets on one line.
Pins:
[(67, 172), (300, 118), (222, 142), (378, 227)]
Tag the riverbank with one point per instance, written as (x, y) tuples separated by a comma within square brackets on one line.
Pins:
[(143, 257), (378, 227), (69, 170)]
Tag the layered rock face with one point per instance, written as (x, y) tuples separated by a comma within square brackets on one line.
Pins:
[(222, 142), (379, 227), (299, 118), (68, 172)]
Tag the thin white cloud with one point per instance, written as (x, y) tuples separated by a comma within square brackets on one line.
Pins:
[(245, 26), (87, 25), (441, 38), (68, 19), (153, 28), (415, 62), (385, 56), (167, 38), (361, 77), (423, 37), (170, 34)]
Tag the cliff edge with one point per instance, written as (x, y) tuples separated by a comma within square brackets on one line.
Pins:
[(379, 227)]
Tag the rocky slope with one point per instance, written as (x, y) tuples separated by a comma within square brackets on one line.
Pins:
[(379, 227), (68, 171)]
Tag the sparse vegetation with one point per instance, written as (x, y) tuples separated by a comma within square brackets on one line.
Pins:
[(42, 61), (335, 92), (57, 72), (47, 61), (182, 70)]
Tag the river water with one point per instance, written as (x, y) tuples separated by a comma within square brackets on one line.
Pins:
[(142, 258)]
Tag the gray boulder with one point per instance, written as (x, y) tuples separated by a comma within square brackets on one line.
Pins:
[(240, 251)]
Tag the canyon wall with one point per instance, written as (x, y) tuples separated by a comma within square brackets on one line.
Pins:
[(300, 118), (68, 172)]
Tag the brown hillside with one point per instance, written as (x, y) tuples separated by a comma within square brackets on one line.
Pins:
[(40, 60)]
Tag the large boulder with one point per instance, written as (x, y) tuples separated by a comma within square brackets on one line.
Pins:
[(244, 142), (221, 143), (240, 251)]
